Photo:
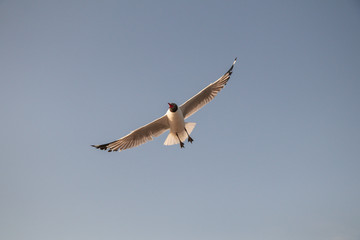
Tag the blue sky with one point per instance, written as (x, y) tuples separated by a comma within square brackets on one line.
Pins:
[(275, 156)]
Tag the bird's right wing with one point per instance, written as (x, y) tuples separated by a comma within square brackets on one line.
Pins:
[(138, 136), (194, 104)]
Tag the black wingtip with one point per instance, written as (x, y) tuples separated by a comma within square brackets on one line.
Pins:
[(101, 147), (231, 68)]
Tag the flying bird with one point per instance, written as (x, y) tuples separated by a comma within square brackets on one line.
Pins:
[(174, 119)]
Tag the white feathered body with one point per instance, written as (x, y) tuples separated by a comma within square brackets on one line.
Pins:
[(177, 125)]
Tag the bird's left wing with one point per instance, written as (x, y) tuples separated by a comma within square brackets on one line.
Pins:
[(194, 104), (138, 136)]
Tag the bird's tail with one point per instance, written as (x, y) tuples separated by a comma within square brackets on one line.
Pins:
[(173, 139)]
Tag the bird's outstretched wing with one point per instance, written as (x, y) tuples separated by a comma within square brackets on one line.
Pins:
[(138, 136), (194, 104)]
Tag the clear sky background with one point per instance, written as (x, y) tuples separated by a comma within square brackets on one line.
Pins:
[(276, 155)]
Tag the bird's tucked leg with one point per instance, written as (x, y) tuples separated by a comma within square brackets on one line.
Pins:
[(189, 138), (181, 143)]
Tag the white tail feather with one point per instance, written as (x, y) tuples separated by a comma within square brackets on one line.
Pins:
[(190, 127), (173, 139)]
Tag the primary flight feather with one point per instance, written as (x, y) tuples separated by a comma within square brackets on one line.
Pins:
[(173, 120)]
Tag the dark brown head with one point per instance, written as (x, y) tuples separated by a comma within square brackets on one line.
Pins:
[(173, 107)]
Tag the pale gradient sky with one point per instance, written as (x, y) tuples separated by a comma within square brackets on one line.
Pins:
[(276, 155)]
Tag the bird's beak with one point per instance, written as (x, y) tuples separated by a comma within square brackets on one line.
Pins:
[(170, 105)]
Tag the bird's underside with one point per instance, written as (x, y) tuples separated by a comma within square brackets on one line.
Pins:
[(173, 120)]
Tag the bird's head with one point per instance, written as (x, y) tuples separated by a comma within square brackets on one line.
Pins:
[(173, 107)]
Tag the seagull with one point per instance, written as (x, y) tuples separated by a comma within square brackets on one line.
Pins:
[(174, 119)]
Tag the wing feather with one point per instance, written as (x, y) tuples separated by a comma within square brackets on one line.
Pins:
[(195, 103), (138, 136)]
